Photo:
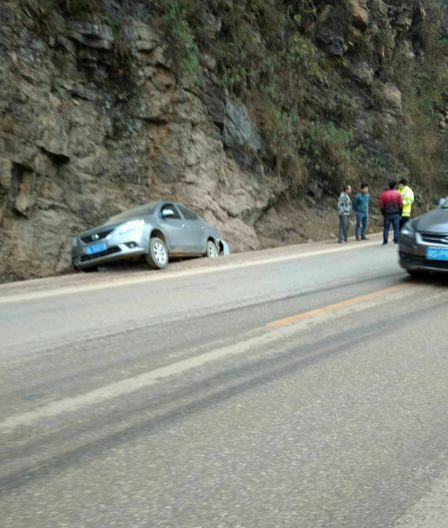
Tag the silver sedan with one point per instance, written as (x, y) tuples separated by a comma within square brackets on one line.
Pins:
[(156, 231), (424, 242)]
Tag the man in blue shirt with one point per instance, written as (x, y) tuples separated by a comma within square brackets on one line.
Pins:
[(361, 206)]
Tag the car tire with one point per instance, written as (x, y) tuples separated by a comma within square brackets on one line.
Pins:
[(85, 270), (212, 250), (417, 274), (157, 257)]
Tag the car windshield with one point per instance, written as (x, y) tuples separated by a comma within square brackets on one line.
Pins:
[(445, 204), (138, 212)]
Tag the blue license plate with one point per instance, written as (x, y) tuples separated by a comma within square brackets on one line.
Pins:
[(437, 254), (93, 249)]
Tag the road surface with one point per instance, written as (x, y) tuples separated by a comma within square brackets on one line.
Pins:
[(304, 387)]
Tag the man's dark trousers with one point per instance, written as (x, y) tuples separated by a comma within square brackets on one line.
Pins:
[(361, 225), (394, 220), (344, 223)]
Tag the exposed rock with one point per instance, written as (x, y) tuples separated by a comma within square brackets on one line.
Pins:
[(5, 173), (402, 18), (208, 62), (53, 137), (315, 190), (22, 193), (393, 97), (419, 13), (97, 36), (239, 131), (360, 13), (146, 37), (406, 50), (362, 72), (334, 44), (214, 100), (163, 80)]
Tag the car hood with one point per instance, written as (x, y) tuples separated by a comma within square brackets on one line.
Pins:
[(434, 222), (113, 222), (107, 227), (97, 229)]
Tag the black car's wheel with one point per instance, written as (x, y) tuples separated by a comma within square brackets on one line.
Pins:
[(157, 257), (417, 274), (90, 270), (212, 249)]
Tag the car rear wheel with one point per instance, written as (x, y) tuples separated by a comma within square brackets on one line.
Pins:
[(157, 257), (212, 249)]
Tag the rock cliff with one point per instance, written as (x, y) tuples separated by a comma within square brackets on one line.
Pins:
[(252, 112)]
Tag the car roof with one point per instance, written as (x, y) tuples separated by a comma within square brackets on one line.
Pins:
[(140, 210)]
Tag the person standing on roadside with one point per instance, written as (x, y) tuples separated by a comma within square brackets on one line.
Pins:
[(345, 210), (391, 205), (361, 206), (408, 200)]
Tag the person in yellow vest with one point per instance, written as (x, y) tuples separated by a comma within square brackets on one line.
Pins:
[(408, 200)]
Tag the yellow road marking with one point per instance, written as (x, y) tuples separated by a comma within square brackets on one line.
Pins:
[(335, 307), (271, 337)]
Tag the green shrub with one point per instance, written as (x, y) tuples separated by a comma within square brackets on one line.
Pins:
[(177, 18), (329, 150)]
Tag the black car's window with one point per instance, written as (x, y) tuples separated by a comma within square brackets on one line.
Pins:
[(169, 207), (188, 215), (138, 212)]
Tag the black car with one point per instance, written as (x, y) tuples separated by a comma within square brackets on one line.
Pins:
[(424, 242)]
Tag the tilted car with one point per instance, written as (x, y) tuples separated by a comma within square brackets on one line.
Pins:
[(156, 231), (424, 242)]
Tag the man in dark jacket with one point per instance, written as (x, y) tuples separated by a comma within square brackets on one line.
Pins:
[(361, 206), (391, 205)]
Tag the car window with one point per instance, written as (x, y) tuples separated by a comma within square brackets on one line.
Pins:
[(188, 215), (170, 207), (138, 212), (445, 204)]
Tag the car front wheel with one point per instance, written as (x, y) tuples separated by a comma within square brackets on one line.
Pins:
[(417, 274), (84, 270), (212, 250), (157, 257)]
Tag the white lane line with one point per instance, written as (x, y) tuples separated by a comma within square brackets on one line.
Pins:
[(175, 275), (262, 338)]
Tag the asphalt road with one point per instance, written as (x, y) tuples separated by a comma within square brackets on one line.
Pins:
[(305, 387)]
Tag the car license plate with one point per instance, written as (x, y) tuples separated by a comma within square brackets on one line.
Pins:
[(96, 248), (437, 254)]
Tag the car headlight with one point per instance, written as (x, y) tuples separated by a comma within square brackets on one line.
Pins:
[(408, 231), (133, 225)]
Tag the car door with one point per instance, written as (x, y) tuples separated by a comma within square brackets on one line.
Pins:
[(174, 227), (196, 231)]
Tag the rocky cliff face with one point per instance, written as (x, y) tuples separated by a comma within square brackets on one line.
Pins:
[(106, 107)]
